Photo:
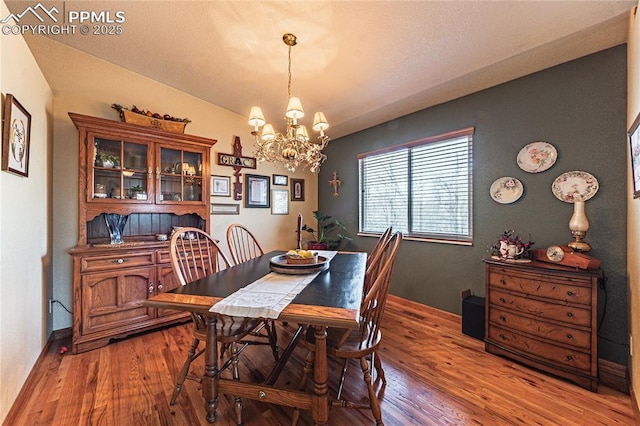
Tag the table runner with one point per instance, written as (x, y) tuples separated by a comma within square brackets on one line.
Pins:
[(267, 296)]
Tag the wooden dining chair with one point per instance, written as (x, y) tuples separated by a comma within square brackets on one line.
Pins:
[(364, 342), (194, 254), (373, 259), (244, 246)]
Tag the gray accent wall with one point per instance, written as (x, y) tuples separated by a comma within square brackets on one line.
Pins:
[(580, 108)]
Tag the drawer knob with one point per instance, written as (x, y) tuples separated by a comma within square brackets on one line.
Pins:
[(503, 300), (570, 294), (503, 318), (570, 314), (502, 281), (569, 358), (503, 337), (569, 336), (119, 260)]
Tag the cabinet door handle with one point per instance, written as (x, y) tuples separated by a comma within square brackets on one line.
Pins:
[(503, 318), (158, 173), (150, 288), (150, 172), (570, 294), (159, 286), (570, 314), (121, 260), (569, 336)]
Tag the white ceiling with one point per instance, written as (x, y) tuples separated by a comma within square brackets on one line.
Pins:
[(362, 63)]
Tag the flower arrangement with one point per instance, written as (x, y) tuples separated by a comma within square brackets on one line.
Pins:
[(510, 246)]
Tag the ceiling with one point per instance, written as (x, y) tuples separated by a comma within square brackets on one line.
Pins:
[(362, 63)]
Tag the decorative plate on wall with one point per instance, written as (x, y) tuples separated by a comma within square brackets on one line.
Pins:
[(506, 190), (537, 157), (575, 186)]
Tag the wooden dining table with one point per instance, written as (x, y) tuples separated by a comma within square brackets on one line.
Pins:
[(332, 299)]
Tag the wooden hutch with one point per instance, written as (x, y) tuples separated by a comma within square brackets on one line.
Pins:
[(152, 180)]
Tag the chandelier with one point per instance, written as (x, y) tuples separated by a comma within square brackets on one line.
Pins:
[(293, 148)]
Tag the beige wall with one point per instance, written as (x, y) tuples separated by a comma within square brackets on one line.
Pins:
[(89, 86), (633, 214), (25, 243)]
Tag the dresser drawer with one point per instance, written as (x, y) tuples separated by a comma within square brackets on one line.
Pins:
[(541, 329), (163, 256), (544, 310), (120, 260), (563, 357), (571, 290)]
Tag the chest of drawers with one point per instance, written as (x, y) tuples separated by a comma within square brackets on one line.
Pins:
[(544, 316)]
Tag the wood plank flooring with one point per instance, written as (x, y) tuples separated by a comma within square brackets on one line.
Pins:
[(435, 376)]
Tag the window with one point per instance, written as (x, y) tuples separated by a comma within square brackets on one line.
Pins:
[(422, 188)]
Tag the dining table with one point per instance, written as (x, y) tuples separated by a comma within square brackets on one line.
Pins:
[(331, 299)]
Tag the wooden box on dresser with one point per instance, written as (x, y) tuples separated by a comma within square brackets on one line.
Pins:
[(545, 316), (153, 179)]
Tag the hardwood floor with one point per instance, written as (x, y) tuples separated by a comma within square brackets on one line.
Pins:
[(435, 376)]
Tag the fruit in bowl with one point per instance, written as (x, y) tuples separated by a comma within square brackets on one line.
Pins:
[(301, 257)]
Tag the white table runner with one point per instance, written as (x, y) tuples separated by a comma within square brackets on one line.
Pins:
[(267, 296)]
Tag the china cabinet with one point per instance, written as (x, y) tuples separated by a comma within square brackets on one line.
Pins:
[(135, 183), (544, 315)]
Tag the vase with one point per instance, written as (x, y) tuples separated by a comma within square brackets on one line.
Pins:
[(316, 246), (115, 226), (579, 224)]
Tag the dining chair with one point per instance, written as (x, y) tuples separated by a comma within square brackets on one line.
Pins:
[(244, 246), (364, 342), (195, 254), (373, 260)]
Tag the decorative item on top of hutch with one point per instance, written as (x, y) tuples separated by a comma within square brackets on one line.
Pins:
[(135, 184)]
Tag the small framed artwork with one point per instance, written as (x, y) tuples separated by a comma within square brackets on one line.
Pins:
[(297, 189), (217, 208), (16, 137), (220, 186), (256, 188), (634, 143), (279, 201), (280, 180)]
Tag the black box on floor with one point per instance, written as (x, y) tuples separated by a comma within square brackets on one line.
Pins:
[(473, 315)]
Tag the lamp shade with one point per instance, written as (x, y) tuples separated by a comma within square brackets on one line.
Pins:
[(320, 122), (301, 134), (268, 133), (256, 118), (294, 109)]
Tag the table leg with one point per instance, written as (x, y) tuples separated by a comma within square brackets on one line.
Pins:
[(210, 378), (320, 401)]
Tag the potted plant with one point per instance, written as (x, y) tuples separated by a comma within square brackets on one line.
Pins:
[(107, 160), (322, 236)]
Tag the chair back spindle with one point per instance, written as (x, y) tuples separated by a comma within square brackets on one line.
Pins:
[(194, 255)]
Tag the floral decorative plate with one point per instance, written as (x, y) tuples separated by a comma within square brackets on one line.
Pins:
[(575, 186), (506, 190), (537, 157)]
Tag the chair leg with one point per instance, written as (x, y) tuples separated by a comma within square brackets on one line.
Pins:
[(272, 334), (236, 376), (379, 369), (342, 375), (185, 370), (373, 398)]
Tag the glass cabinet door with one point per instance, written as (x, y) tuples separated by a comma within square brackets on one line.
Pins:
[(120, 171), (180, 176)]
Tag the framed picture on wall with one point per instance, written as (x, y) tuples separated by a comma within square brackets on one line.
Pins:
[(634, 144), (279, 201), (281, 180), (16, 137), (220, 186), (297, 189), (256, 189), (217, 208)]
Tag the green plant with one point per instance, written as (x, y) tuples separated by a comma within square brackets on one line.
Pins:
[(326, 226), (102, 158)]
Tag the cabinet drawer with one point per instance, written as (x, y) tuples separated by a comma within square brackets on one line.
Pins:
[(530, 347), (541, 329), (163, 256), (558, 312), (120, 260), (540, 285)]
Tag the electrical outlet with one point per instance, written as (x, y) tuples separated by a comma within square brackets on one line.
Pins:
[(50, 306)]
